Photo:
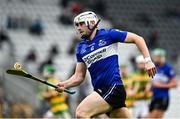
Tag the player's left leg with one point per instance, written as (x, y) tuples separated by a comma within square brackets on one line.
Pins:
[(158, 108), (92, 105), (121, 113), (156, 113), (117, 100)]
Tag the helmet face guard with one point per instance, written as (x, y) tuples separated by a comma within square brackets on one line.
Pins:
[(88, 18)]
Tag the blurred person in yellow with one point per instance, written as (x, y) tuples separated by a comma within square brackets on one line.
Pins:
[(59, 108), (164, 80), (127, 81), (141, 88)]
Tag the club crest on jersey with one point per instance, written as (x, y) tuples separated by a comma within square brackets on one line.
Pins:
[(83, 50), (102, 42), (92, 48)]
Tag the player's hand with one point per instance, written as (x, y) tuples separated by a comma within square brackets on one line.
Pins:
[(150, 68), (60, 88)]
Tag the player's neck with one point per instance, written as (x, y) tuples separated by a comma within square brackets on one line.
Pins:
[(93, 34)]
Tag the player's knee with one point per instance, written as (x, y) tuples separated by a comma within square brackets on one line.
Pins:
[(157, 113), (81, 114)]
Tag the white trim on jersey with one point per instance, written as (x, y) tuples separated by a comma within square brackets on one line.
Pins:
[(100, 54)]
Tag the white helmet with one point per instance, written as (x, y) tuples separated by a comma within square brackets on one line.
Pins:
[(87, 17)]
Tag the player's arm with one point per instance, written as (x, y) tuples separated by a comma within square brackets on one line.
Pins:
[(148, 87), (136, 88), (140, 43), (76, 79), (172, 84)]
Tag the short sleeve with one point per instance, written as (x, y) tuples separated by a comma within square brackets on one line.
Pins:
[(171, 73), (78, 55), (117, 35)]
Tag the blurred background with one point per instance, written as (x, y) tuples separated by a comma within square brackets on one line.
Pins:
[(40, 32)]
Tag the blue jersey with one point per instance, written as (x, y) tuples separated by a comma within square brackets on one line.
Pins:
[(101, 57), (164, 74)]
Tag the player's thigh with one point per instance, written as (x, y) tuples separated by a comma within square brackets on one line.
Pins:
[(121, 113), (92, 105)]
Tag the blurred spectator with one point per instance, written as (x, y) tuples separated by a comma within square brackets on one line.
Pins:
[(152, 40), (66, 17), (31, 56), (24, 21), (133, 63), (98, 6), (54, 51), (12, 22), (6, 46), (17, 22), (30, 61), (144, 18), (76, 8), (48, 61), (172, 12), (4, 37), (64, 3), (21, 110), (36, 27), (68, 12)]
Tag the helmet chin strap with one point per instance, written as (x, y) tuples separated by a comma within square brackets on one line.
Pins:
[(91, 30)]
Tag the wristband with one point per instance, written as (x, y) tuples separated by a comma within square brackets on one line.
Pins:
[(147, 59)]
